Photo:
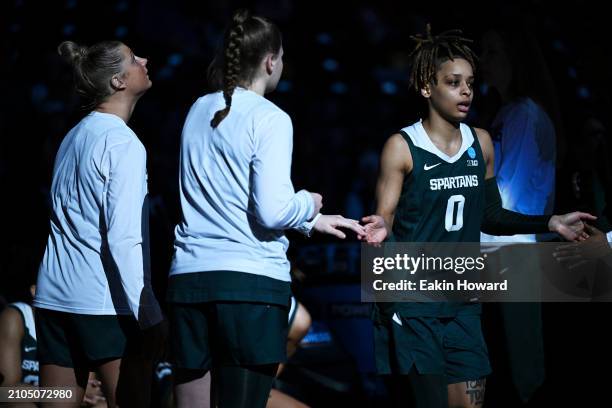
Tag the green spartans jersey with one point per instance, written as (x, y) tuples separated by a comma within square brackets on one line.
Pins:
[(442, 200), (29, 360)]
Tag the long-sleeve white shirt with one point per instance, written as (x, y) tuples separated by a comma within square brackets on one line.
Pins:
[(97, 256), (235, 187)]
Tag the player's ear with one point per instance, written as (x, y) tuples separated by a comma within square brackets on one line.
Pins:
[(270, 63), (426, 91), (118, 82)]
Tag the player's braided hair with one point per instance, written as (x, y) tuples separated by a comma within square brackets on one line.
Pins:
[(431, 51), (247, 41)]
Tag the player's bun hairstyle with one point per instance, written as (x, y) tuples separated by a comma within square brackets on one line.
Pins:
[(93, 68), (433, 50), (247, 40)]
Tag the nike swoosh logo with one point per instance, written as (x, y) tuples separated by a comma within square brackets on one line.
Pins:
[(28, 349), (426, 167), (396, 319)]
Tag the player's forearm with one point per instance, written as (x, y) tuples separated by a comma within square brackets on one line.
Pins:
[(388, 218)]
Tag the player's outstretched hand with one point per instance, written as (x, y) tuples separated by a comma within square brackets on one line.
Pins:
[(330, 224), (375, 230), (570, 226)]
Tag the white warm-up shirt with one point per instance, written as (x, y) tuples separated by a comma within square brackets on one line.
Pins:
[(235, 188), (97, 256)]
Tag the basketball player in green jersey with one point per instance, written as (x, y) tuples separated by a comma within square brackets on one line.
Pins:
[(437, 184)]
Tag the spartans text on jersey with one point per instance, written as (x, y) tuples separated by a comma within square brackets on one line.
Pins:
[(453, 182)]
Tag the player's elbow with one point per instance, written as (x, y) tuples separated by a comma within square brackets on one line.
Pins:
[(280, 215), (272, 216), (271, 221), (490, 225)]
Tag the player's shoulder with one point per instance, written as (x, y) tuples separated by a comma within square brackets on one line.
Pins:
[(397, 146), (397, 140), (11, 322), (484, 139), (482, 134), (396, 153)]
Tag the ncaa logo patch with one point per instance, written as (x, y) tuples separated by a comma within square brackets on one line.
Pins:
[(471, 152)]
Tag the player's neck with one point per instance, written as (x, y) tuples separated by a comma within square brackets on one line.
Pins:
[(258, 85), (122, 107), (441, 130)]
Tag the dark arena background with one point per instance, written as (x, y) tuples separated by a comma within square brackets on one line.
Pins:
[(345, 86)]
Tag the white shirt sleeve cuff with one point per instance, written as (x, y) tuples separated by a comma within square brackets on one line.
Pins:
[(308, 201), (609, 237), (307, 227)]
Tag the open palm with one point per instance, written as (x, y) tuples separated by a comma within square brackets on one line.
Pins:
[(375, 229), (571, 226)]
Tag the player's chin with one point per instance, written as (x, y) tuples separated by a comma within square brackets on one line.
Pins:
[(460, 115), (456, 116)]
